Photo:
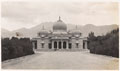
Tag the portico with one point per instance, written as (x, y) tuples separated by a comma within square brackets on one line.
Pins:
[(60, 44)]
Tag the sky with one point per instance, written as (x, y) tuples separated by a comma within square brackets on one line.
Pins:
[(15, 15)]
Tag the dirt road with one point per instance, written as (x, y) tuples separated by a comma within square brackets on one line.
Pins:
[(62, 60)]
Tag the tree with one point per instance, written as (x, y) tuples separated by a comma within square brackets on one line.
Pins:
[(14, 47), (106, 45)]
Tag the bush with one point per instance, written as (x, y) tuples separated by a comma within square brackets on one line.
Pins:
[(105, 45), (14, 47)]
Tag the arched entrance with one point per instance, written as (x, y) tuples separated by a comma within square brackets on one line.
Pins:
[(35, 45), (83, 45), (50, 46), (70, 45), (64, 45), (77, 45), (55, 45), (59, 45)]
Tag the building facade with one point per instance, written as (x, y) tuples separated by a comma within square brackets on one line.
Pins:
[(59, 38)]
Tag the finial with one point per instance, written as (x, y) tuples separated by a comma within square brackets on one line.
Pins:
[(59, 18), (76, 26), (43, 27)]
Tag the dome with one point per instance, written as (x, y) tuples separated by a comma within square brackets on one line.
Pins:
[(60, 32), (59, 26), (75, 31), (43, 31)]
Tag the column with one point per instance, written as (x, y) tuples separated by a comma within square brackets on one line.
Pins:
[(52, 44), (61, 44), (86, 45), (66, 44), (57, 45)]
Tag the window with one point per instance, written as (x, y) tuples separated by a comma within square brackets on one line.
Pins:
[(76, 45), (50, 46), (83, 45), (70, 45), (35, 45), (42, 45)]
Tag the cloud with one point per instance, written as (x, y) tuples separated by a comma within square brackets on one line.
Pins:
[(33, 13), (22, 11)]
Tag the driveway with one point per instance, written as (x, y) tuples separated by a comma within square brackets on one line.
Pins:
[(82, 60)]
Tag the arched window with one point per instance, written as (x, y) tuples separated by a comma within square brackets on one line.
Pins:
[(59, 45), (77, 45), (70, 45), (64, 45), (42, 44), (83, 45), (55, 45), (35, 45), (49, 45)]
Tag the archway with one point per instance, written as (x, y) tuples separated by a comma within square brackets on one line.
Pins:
[(59, 45), (50, 46), (64, 45), (35, 45), (42, 44), (77, 45), (83, 45), (55, 45), (70, 45)]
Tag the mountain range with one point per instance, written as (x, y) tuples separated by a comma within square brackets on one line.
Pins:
[(85, 30)]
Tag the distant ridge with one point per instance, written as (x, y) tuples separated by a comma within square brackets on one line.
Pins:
[(32, 32)]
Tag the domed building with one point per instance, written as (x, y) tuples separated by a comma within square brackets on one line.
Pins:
[(59, 39)]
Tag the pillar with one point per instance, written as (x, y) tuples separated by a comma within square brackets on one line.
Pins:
[(67, 45), (57, 45), (86, 45), (61, 44), (52, 44)]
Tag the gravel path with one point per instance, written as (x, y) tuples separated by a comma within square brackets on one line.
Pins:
[(62, 60)]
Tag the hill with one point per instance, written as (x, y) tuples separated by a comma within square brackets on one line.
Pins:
[(32, 32)]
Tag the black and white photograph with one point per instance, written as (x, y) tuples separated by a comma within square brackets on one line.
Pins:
[(59, 35)]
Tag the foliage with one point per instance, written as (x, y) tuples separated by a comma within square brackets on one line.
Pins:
[(14, 47), (106, 45)]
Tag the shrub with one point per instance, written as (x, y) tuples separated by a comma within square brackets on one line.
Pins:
[(14, 47), (106, 45)]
